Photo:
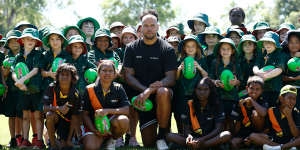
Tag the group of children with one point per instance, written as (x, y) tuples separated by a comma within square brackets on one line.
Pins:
[(261, 108)]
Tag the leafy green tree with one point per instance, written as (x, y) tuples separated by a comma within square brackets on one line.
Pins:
[(128, 11)]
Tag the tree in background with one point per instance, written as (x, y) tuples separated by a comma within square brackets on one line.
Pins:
[(128, 11)]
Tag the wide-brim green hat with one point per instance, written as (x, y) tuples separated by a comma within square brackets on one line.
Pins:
[(116, 24), (248, 37), (57, 32), (66, 29), (94, 21), (179, 27), (286, 26), (209, 30), (188, 38), (225, 40), (76, 39), (201, 17), (24, 23), (238, 31), (103, 33), (271, 37), (43, 32), (260, 26), (12, 34), (32, 33)]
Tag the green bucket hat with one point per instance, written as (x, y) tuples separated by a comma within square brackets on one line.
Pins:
[(116, 24), (209, 30), (271, 37), (261, 26), (248, 37), (54, 31), (179, 27), (238, 31), (286, 26), (187, 38), (103, 33), (94, 21), (76, 39), (225, 40), (3, 41), (66, 29), (201, 17), (33, 33), (23, 23), (12, 34), (43, 32)]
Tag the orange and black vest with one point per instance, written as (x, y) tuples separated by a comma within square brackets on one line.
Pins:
[(246, 120), (195, 123), (93, 97), (274, 122), (57, 111)]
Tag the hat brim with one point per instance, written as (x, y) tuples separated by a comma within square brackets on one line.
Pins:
[(65, 30), (217, 47), (104, 35), (69, 50), (38, 44), (95, 22), (191, 22), (261, 41), (11, 37), (201, 36), (240, 46)]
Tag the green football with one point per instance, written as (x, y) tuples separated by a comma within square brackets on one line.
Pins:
[(21, 70), (8, 62), (102, 125), (294, 64), (267, 69), (147, 107), (90, 75), (226, 76), (56, 63), (189, 71)]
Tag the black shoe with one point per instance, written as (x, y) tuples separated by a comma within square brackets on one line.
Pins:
[(13, 143)]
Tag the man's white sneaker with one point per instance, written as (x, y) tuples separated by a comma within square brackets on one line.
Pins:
[(110, 144), (268, 147), (161, 144)]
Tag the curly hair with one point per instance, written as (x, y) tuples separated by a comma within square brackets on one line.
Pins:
[(67, 67), (238, 9)]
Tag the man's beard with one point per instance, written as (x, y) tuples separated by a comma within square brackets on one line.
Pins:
[(149, 37)]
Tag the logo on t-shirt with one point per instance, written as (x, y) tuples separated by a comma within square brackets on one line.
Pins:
[(138, 57), (154, 58), (114, 101)]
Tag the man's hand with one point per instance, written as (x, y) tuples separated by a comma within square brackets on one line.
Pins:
[(156, 84), (141, 98)]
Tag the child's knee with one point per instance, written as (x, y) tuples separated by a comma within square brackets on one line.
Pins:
[(225, 136)]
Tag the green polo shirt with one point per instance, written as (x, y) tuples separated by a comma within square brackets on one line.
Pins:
[(46, 63), (82, 64), (96, 55), (216, 70), (209, 58), (9, 81), (290, 73), (276, 59), (120, 52), (33, 60)]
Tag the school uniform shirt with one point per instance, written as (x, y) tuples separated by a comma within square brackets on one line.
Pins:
[(47, 60), (207, 117), (82, 64), (237, 115), (276, 59), (2, 57), (114, 98), (184, 88), (73, 98), (290, 73), (247, 68), (283, 123), (120, 52), (209, 58), (33, 60), (215, 73), (150, 62), (96, 55)]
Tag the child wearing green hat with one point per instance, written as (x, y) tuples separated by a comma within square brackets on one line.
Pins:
[(72, 30), (198, 23), (248, 57), (78, 50), (56, 42), (174, 42), (208, 39), (272, 56), (291, 46), (282, 122), (226, 59), (2, 45), (22, 25), (102, 43), (283, 29), (183, 90), (31, 91), (116, 42), (175, 30), (89, 26), (12, 96), (260, 28), (235, 35)]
